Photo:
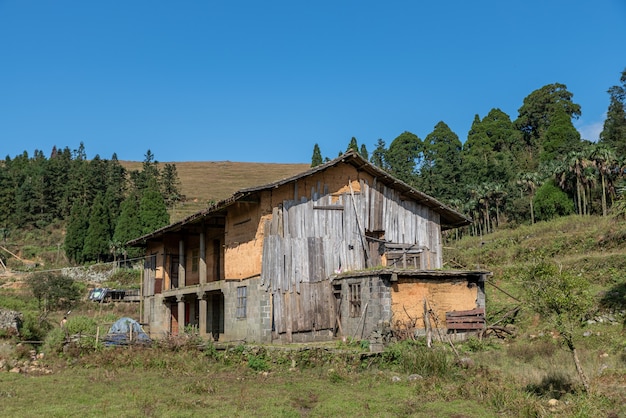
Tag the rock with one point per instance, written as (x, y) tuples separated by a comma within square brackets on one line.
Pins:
[(465, 362), (553, 402), (414, 377), (587, 334), (14, 370), (396, 379)]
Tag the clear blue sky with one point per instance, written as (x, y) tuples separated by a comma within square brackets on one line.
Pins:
[(266, 80)]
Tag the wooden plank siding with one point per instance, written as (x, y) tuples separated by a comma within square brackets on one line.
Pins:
[(308, 240), (466, 320)]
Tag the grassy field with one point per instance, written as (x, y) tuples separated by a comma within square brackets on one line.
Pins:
[(527, 373)]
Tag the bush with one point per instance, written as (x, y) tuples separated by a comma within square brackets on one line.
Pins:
[(551, 202), (34, 328)]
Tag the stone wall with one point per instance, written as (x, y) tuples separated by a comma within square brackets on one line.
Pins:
[(10, 321)]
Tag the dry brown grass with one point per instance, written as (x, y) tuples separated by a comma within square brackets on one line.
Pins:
[(211, 181), (216, 180)]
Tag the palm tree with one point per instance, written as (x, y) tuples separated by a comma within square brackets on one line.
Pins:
[(604, 160), (576, 164), (528, 183)]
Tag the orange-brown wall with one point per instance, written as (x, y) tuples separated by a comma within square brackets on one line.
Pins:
[(245, 223), (407, 297)]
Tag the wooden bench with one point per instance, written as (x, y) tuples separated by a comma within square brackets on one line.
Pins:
[(466, 320)]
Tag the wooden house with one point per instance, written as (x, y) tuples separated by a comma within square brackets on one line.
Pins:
[(337, 250)]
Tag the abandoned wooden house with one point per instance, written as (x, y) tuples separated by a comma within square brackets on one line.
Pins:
[(335, 251)]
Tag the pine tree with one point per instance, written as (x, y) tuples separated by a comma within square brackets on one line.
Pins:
[(378, 156), (404, 157), (614, 131), (442, 156), (96, 247), (128, 226), (364, 152), (353, 145), (317, 156), (152, 211), (76, 232), (170, 185)]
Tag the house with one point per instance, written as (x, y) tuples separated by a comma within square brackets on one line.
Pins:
[(337, 250)]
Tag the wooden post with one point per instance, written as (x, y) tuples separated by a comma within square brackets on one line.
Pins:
[(97, 336), (429, 335)]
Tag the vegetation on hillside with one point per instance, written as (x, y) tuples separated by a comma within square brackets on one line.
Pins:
[(510, 172)]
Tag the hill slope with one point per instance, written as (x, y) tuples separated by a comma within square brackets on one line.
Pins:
[(203, 182)]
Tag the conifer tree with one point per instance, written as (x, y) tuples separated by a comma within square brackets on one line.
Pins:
[(96, 247), (378, 156), (128, 226), (353, 145), (316, 159), (614, 132), (404, 157), (170, 185), (152, 211), (76, 231), (363, 152)]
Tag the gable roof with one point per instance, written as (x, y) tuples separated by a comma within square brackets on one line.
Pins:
[(449, 217)]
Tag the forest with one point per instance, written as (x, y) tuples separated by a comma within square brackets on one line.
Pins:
[(98, 203), (508, 172), (505, 173)]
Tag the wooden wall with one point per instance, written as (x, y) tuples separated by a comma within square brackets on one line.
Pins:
[(323, 230)]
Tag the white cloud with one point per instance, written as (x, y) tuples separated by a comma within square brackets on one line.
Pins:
[(591, 131)]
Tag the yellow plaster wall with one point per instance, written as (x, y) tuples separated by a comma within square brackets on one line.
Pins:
[(407, 297), (243, 241), (245, 223)]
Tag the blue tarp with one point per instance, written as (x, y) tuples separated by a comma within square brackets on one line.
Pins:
[(120, 333)]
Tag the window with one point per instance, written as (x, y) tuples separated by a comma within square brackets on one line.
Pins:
[(195, 258), (354, 293), (242, 297)]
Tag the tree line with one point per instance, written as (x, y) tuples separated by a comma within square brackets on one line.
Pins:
[(533, 168), (100, 203)]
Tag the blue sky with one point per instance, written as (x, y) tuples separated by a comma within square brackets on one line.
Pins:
[(265, 81)]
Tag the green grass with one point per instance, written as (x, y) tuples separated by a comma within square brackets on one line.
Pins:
[(512, 377)]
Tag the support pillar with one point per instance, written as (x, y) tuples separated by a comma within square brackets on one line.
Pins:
[(202, 261), (202, 298), (181, 263), (181, 314)]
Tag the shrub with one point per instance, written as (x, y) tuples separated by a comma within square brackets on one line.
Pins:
[(551, 202)]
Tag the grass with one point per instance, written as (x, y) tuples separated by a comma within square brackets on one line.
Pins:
[(516, 376)]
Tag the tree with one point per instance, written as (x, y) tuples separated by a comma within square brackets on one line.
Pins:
[(53, 291), (492, 152), (170, 185), (128, 227), (378, 156), (560, 136), (96, 246), (538, 110), (528, 183), (364, 153), (316, 159), (604, 160), (353, 145), (404, 157), (440, 174), (550, 202), (76, 230), (614, 131), (562, 299), (152, 211)]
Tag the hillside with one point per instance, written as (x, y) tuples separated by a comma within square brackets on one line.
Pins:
[(203, 182)]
